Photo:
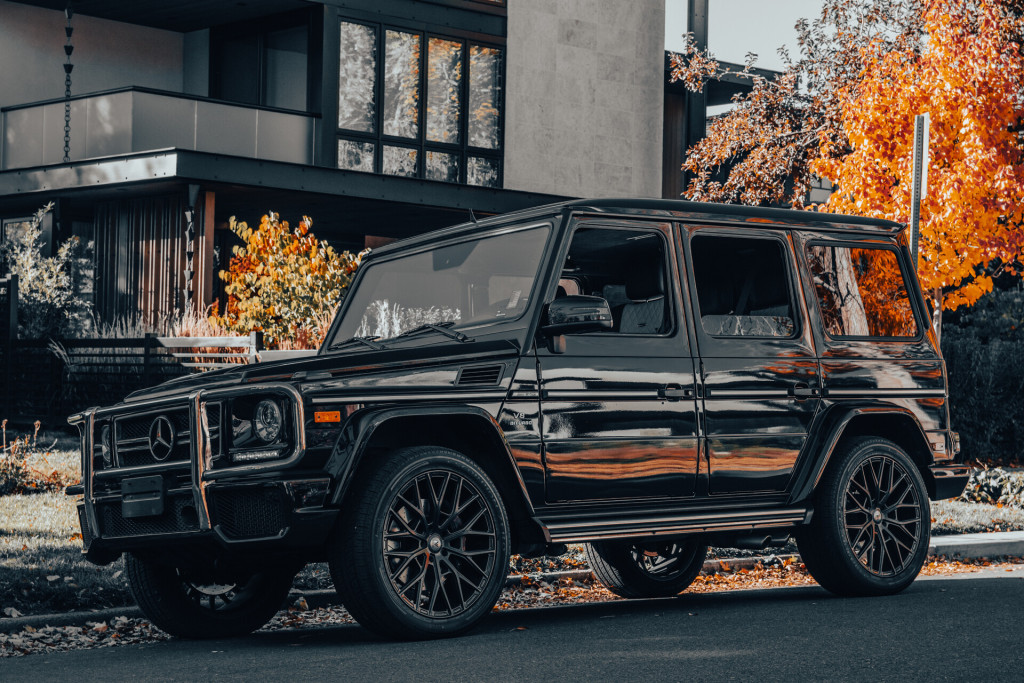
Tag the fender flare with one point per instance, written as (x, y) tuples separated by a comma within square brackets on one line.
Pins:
[(360, 429), (828, 430)]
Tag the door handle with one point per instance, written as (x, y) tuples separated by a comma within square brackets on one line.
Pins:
[(674, 392), (801, 391)]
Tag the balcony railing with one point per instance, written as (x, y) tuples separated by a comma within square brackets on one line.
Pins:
[(137, 119)]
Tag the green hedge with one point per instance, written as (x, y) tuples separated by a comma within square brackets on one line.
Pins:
[(986, 394)]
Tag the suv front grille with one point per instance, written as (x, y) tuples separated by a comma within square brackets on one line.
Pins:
[(145, 439)]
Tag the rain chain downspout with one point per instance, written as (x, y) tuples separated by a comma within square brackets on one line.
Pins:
[(68, 66)]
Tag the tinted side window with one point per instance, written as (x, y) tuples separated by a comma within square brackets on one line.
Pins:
[(742, 286), (861, 292), (629, 269)]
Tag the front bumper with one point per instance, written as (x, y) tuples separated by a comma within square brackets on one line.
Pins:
[(187, 502), (271, 516)]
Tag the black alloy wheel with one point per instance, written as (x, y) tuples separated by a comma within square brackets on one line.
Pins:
[(872, 521), (882, 509), (647, 570), (188, 604), (438, 543), (422, 547)]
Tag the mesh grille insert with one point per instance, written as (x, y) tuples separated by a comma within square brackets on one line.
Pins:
[(250, 512)]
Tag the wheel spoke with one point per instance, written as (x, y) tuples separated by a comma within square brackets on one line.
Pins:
[(406, 562), (411, 506), (467, 528)]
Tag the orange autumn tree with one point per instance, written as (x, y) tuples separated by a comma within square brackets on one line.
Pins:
[(969, 78), (284, 282)]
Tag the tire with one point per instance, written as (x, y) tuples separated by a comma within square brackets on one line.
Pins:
[(872, 521), (647, 570), (422, 547), (191, 607)]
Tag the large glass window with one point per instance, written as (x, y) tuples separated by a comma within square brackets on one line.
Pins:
[(264, 62), (419, 105), (743, 286), (861, 292), (467, 284)]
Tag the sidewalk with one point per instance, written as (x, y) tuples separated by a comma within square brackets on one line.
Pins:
[(965, 546)]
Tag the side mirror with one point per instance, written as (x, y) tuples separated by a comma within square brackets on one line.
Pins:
[(575, 314)]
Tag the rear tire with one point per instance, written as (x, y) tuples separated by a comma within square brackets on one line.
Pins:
[(872, 521), (189, 606), (647, 570), (422, 546)]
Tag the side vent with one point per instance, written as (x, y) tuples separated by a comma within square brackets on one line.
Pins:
[(479, 375)]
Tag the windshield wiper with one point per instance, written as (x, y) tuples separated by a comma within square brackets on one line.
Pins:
[(365, 341), (444, 328)]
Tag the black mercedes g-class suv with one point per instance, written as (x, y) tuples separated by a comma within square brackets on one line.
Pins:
[(648, 377)]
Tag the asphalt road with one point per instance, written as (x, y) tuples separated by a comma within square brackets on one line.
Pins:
[(966, 628)]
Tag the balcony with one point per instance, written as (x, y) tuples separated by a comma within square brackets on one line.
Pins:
[(138, 120)]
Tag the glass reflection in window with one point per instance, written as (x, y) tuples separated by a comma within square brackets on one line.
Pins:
[(357, 77), (482, 171), (401, 84), (355, 156), (400, 161), (484, 94), (444, 76), (442, 166)]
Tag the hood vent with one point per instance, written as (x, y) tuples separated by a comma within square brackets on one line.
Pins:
[(479, 375)]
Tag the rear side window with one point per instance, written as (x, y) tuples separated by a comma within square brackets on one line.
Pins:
[(742, 286), (861, 292)]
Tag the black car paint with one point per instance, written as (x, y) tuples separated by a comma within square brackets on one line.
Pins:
[(565, 420)]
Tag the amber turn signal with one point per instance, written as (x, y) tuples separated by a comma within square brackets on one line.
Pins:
[(327, 416)]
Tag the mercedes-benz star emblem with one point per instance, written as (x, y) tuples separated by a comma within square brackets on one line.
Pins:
[(161, 438)]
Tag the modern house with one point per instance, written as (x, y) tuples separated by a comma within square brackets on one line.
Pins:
[(379, 118)]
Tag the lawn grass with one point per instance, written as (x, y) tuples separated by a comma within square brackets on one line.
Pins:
[(42, 569)]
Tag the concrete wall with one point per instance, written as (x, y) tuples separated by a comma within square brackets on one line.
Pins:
[(108, 54), (584, 97)]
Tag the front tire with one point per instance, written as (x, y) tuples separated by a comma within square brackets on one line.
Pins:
[(189, 605), (422, 548), (647, 570), (872, 521)]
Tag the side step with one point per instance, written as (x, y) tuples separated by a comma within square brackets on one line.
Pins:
[(579, 530)]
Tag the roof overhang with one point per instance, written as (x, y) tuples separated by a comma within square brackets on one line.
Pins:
[(343, 201), (188, 15)]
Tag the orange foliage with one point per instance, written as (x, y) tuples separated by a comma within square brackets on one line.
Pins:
[(969, 77), (284, 282)]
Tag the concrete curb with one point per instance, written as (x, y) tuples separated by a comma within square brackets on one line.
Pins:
[(964, 546)]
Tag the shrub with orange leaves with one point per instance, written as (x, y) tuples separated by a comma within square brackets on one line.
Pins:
[(283, 282), (969, 77)]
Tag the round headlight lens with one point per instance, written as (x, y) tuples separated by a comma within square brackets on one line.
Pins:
[(267, 421), (105, 449)]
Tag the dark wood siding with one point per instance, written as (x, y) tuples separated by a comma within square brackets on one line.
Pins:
[(140, 257)]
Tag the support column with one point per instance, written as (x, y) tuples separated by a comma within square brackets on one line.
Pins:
[(202, 292), (696, 103)]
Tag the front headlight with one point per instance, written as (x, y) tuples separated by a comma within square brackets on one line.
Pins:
[(105, 447), (268, 421)]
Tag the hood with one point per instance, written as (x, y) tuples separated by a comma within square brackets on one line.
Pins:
[(336, 363)]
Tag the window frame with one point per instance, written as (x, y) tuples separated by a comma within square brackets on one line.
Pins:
[(672, 293), (792, 285), (903, 266), (463, 150), (261, 28)]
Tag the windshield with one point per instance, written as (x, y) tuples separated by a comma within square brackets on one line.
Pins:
[(470, 283)]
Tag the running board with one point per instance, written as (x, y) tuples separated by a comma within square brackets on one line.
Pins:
[(576, 531)]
